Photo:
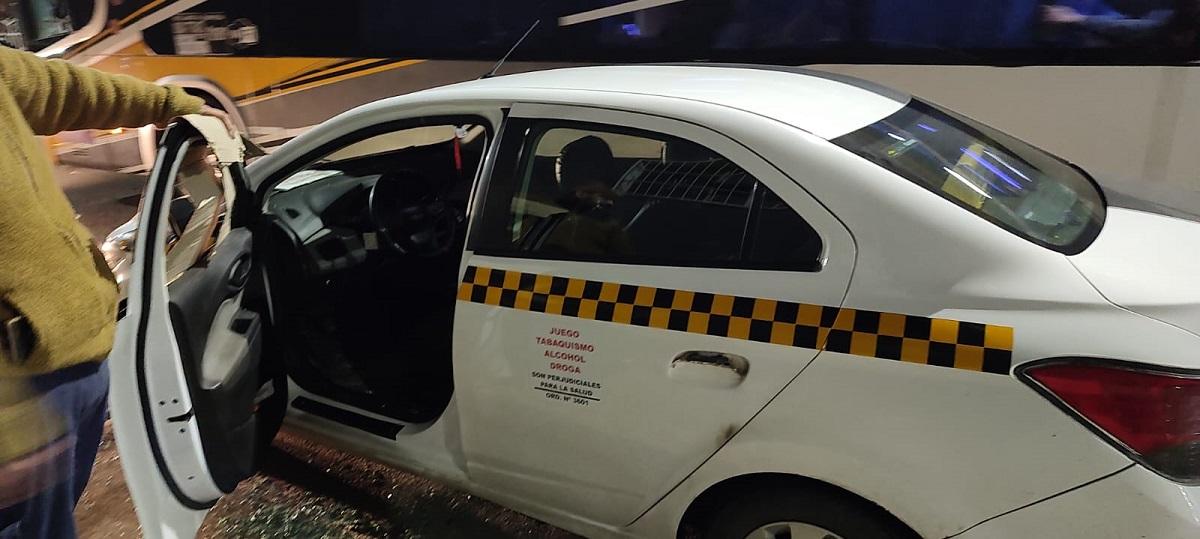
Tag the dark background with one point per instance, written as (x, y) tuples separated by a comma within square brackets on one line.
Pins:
[(987, 32)]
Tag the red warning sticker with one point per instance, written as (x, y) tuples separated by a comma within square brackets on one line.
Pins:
[(563, 377)]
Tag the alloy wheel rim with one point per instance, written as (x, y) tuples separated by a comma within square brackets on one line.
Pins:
[(792, 530)]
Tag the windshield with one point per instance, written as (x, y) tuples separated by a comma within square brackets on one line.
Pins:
[(1008, 182)]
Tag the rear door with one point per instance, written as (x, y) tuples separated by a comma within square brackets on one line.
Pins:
[(636, 289), (185, 375)]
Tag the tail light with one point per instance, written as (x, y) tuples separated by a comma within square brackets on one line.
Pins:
[(1152, 414)]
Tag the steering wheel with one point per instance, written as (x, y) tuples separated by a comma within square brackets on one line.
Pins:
[(410, 216)]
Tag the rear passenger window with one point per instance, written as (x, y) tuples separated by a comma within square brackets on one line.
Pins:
[(782, 240), (573, 191)]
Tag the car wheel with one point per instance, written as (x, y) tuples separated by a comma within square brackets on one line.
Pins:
[(798, 513)]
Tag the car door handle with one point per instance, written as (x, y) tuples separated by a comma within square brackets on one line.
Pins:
[(735, 363)]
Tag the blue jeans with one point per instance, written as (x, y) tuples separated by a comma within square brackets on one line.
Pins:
[(80, 395)]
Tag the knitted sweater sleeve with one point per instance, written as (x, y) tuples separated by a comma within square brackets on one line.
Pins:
[(58, 96)]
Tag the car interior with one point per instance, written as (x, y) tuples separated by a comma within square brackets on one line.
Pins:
[(652, 190), (363, 251), (621, 197), (364, 245)]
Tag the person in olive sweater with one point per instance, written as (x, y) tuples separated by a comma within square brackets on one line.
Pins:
[(58, 301)]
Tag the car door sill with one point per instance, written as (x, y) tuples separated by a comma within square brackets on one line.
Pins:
[(377, 427)]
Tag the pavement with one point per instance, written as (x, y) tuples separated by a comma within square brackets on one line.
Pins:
[(102, 199), (305, 490)]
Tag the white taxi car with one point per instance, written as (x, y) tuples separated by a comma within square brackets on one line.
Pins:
[(660, 301)]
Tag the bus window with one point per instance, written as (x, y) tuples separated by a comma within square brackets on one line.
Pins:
[(34, 24), (11, 33)]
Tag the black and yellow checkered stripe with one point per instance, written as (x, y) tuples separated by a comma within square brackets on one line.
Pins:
[(902, 337)]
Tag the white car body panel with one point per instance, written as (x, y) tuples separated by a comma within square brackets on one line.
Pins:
[(945, 450), (1147, 507), (1010, 283), (855, 423), (880, 455), (497, 352), (1149, 264), (824, 104)]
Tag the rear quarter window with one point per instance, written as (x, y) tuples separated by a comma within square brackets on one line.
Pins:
[(1006, 181)]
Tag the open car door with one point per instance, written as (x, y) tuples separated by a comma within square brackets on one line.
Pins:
[(185, 366)]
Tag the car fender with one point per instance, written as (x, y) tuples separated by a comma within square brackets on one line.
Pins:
[(884, 452)]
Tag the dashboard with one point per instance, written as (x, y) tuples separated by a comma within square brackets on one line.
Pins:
[(325, 213)]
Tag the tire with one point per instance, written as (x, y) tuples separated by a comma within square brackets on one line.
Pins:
[(839, 514)]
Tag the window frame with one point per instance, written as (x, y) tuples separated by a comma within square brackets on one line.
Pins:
[(518, 143), (263, 189), (229, 199)]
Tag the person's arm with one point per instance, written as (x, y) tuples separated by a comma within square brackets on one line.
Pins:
[(57, 96)]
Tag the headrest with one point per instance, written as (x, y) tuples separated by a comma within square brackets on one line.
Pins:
[(587, 161)]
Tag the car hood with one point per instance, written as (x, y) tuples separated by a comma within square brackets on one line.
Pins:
[(1148, 263)]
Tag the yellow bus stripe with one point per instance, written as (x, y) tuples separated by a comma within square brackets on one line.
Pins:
[(316, 73), (141, 11), (313, 75), (331, 80)]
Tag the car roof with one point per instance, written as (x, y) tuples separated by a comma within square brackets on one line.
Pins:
[(825, 104)]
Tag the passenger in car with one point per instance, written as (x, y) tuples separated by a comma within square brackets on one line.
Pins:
[(587, 173)]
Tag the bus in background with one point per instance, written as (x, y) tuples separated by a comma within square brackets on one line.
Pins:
[(277, 67), (1104, 83)]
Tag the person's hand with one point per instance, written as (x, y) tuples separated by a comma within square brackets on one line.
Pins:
[(221, 115), (1061, 15), (215, 113)]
